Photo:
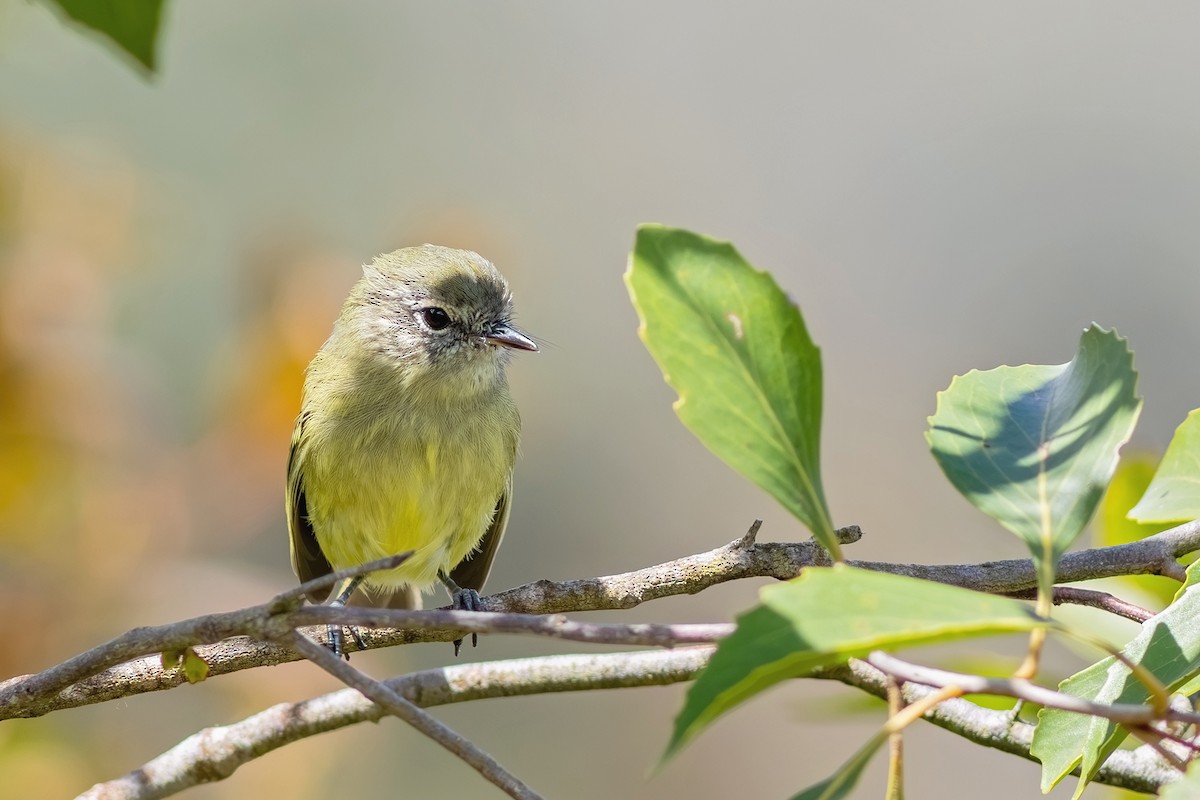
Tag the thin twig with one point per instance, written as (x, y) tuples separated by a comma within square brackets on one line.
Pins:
[(1184, 742), (555, 626), (394, 704), (1153, 739), (1127, 714), (1075, 595)]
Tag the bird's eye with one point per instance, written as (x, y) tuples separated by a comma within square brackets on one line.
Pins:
[(434, 318)]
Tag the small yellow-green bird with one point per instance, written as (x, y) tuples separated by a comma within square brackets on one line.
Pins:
[(407, 431)]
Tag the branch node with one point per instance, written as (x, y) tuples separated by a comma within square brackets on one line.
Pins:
[(849, 534), (1171, 568), (747, 541)]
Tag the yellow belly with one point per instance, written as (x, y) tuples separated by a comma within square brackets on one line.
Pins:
[(386, 493)]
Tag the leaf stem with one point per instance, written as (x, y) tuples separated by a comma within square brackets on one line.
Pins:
[(895, 782)]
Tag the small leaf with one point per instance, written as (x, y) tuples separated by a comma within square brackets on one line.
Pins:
[(736, 350), (1168, 645), (195, 668), (171, 659), (1034, 446), (131, 24), (1174, 494), (827, 616), (842, 782), (1113, 526)]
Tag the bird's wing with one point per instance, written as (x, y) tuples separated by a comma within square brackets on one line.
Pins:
[(308, 561), (473, 570)]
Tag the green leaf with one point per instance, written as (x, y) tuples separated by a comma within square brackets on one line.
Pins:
[(171, 659), (1113, 526), (827, 616), (1034, 446), (195, 668), (1129, 483), (1168, 645), (842, 782), (1174, 494), (131, 24), (736, 350)]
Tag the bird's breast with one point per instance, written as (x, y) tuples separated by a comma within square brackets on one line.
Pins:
[(392, 479)]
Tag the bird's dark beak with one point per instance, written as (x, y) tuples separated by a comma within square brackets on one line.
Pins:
[(508, 336)]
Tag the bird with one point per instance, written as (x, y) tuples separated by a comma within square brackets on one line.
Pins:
[(407, 433)]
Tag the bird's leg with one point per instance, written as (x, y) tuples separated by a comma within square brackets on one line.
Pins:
[(336, 632), (462, 600)]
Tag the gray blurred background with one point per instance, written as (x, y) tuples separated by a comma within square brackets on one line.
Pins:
[(939, 186)]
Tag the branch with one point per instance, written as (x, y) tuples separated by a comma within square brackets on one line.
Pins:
[(147, 673), (125, 666), (129, 664), (1154, 555), (215, 753), (176, 636)]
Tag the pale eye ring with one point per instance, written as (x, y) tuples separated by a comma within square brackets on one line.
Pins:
[(435, 318)]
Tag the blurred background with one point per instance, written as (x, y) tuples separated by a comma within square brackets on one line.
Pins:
[(940, 186)]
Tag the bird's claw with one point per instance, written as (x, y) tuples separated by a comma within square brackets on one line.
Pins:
[(466, 600)]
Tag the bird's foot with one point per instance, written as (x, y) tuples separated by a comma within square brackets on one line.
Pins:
[(462, 599), (466, 600), (337, 639)]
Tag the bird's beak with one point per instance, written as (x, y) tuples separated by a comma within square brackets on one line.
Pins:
[(508, 336)]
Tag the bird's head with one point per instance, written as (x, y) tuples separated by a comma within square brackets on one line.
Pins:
[(437, 315)]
